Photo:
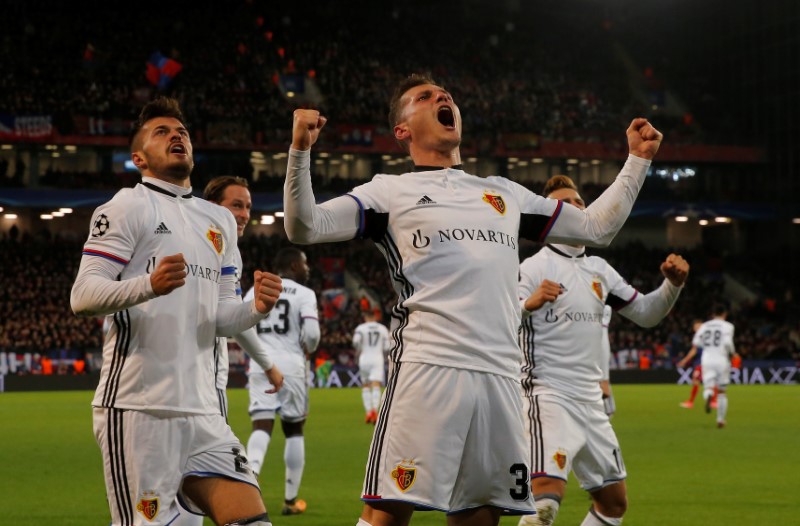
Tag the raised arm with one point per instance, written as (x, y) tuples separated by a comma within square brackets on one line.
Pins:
[(650, 309), (305, 221), (599, 222)]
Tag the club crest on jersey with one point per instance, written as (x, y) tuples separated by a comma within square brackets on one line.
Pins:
[(148, 506), (561, 459), (597, 287), (215, 236), (405, 476), (496, 200)]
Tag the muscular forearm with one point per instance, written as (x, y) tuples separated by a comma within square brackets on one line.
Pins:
[(600, 222), (305, 221), (249, 341), (97, 292)]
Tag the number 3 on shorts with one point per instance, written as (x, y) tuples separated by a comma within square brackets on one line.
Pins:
[(522, 488)]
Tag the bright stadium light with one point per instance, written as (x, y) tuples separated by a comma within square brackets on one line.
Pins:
[(703, 222), (57, 214), (10, 216), (722, 219), (46, 217), (681, 219), (267, 220), (278, 214), (796, 220), (65, 210)]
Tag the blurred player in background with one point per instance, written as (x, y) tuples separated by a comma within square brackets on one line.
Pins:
[(697, 374), (451, 242), (232, 192), (371, 342), (291, 332), (163, 263), (715, 337), (563, 294)]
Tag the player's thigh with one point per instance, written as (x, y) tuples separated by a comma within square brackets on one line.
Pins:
[(371, 371), (293, 399), (142, 462), (217, 455), (222, 499), (600, 462), (555, 433), (712, 374)]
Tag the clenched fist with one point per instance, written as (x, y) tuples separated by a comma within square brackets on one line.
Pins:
[(305, 128), (169, 274), (643, 139), (675, 269), (267, 289), (547, 291)]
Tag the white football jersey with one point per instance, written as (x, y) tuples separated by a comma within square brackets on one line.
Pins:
[(451, 242), (371, 340), (561, 342), (282, 329), (159, 355), (221, 349), (716, 338)]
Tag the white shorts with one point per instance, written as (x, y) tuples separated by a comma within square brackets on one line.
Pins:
[(716, 374), (146, 456), (371, 371), (291, 402), (450, 440), (564, 435)]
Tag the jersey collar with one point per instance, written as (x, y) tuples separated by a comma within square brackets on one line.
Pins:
[(422, 168), (166, 188), (568, 251)]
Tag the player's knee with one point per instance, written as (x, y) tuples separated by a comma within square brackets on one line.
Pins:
[(613, 507), (258, 520), (292, 429)]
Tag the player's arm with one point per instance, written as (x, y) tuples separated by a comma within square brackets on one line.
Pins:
[(546, 292), (97, 292), (649, 309), (599, 222), (688, 358), (305, 221), (234, 316), (357, 339), (310, 335), (251, 344)]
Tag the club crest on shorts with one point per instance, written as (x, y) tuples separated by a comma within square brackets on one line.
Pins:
[(496, 200), (148, 506), (561, 459), (597, 287), (405, 476), (217, 241)]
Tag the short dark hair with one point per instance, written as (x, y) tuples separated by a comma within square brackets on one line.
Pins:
[(216, 186), (557, 182), (395, 106), (719, 309), (286, 257), (160, 107)]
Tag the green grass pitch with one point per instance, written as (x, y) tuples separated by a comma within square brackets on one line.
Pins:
[(682, 470)]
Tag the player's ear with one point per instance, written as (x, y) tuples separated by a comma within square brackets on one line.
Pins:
[(139, 161), (401, 132)]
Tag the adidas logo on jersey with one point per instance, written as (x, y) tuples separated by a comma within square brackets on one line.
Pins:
[(426, 201), (162, 229)]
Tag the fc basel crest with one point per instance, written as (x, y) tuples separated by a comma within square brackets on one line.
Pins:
[(561, 459), (215, 236), (148, 507), (405, 476), (496, 200), (597, 287)]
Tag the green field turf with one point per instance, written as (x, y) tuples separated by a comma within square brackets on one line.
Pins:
[(682, 470)]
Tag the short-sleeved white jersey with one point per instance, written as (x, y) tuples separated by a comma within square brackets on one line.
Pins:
[(561, 342), (451, 242), (716, 338), (159, 355), (282, 330), (371, 340)]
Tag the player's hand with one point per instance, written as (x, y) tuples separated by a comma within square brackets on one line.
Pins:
[(305, 128), (547, 291), (170, 273), (267, 289), (675, 269), (275, 377), (643, 139)]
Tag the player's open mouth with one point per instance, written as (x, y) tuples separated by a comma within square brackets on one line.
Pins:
[(446, 117), (178, 148)]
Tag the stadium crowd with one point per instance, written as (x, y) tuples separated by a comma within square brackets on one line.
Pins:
[(38, 329)]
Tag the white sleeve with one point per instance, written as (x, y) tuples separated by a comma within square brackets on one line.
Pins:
[(96, 291), (600, 222), (307, 222), (730, 347), (650, 309), (310, 331), (252, 345), (605, 360), (529, 280), (357, 337)]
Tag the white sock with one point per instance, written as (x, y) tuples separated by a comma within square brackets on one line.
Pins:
[(707, 393), (594, 518), (295, 458), (366, 397), (362, 522), (546, 511), (257, 446), (188, 519), (722, 406), (376, 398)]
